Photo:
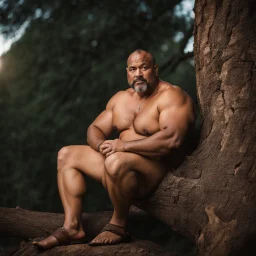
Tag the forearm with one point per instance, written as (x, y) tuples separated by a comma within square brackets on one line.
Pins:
[(145, 148), (159, 144), (95, 137)]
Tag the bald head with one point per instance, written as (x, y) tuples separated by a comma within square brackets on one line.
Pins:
[(143, 54)]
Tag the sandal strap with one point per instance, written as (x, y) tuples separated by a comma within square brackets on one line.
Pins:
[(118, 230), (62, 236)]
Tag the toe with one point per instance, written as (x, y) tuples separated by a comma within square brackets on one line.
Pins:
[(94, 241), (107, 241), (47, 243)]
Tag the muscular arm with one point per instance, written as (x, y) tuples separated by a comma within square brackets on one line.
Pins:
[(102, 127), (176, 115), (99, 130), (173, 128)]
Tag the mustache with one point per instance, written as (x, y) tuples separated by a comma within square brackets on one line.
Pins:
[(139, 80)]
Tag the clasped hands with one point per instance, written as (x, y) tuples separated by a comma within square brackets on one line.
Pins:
[(109, 147)]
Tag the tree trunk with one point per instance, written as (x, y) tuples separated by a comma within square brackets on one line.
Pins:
[(211, 197)]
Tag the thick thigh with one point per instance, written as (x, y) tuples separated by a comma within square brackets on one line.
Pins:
[(87, 160), (149, 171)]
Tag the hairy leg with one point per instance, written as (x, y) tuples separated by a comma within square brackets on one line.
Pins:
[(72, 162), (128, 177)]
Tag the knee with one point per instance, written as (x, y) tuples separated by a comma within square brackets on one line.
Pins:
[(64, 157), (114, 165)]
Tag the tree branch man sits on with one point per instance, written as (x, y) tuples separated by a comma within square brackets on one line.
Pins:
[(152, 117)]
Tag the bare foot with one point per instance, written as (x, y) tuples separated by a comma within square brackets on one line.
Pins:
[(61, 236), (111, 234), (106, 237)]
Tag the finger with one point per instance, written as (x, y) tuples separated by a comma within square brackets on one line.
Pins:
[(108, 141), (103, 146), (106, 150), (106, 145), (110, 153)]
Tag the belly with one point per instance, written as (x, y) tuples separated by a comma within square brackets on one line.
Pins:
[(130, 134)]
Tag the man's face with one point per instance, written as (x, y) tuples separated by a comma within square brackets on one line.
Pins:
[(141, 72)]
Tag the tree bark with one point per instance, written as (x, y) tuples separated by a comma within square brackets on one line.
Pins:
[(211, 196)]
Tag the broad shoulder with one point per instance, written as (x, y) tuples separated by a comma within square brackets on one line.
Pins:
[(119, 96), (173, 96)]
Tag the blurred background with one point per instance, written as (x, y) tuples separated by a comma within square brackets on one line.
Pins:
[(60, 63)]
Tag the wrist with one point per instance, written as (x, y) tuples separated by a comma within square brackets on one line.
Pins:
[(99, 146), (125, 147)]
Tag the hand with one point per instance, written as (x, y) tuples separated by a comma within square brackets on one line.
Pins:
[(109, 147)]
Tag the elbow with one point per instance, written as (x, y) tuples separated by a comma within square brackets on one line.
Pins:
[(177, 142), (87, 140), (174, 143), (88, 134), (88, 131), (89, 128)]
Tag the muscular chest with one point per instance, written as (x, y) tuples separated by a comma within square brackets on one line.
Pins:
[(143, 120)]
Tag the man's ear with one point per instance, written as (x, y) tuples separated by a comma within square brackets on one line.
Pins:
[(156, 69)]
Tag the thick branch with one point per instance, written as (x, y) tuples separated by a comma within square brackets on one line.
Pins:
[(29, 225)]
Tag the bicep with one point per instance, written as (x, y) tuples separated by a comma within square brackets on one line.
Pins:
[(104, 122), (175, 120)]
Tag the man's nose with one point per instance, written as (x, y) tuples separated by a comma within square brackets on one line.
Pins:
[(138, 72)]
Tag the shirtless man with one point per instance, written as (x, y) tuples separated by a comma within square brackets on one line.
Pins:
[(152, 118)]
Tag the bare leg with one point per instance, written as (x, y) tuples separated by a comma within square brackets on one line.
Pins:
[(120, 201), (72, 198), (128, 176), (72, 187)]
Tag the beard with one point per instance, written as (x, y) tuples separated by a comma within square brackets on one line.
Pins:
[(140, 87)]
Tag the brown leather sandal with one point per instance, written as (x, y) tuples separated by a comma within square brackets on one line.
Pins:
[(115, 229), (62, 238)]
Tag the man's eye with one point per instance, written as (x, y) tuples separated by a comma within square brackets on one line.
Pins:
[(132, 69), (144, 68)]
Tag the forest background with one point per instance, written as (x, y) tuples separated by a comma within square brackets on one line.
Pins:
[(69, 60)]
